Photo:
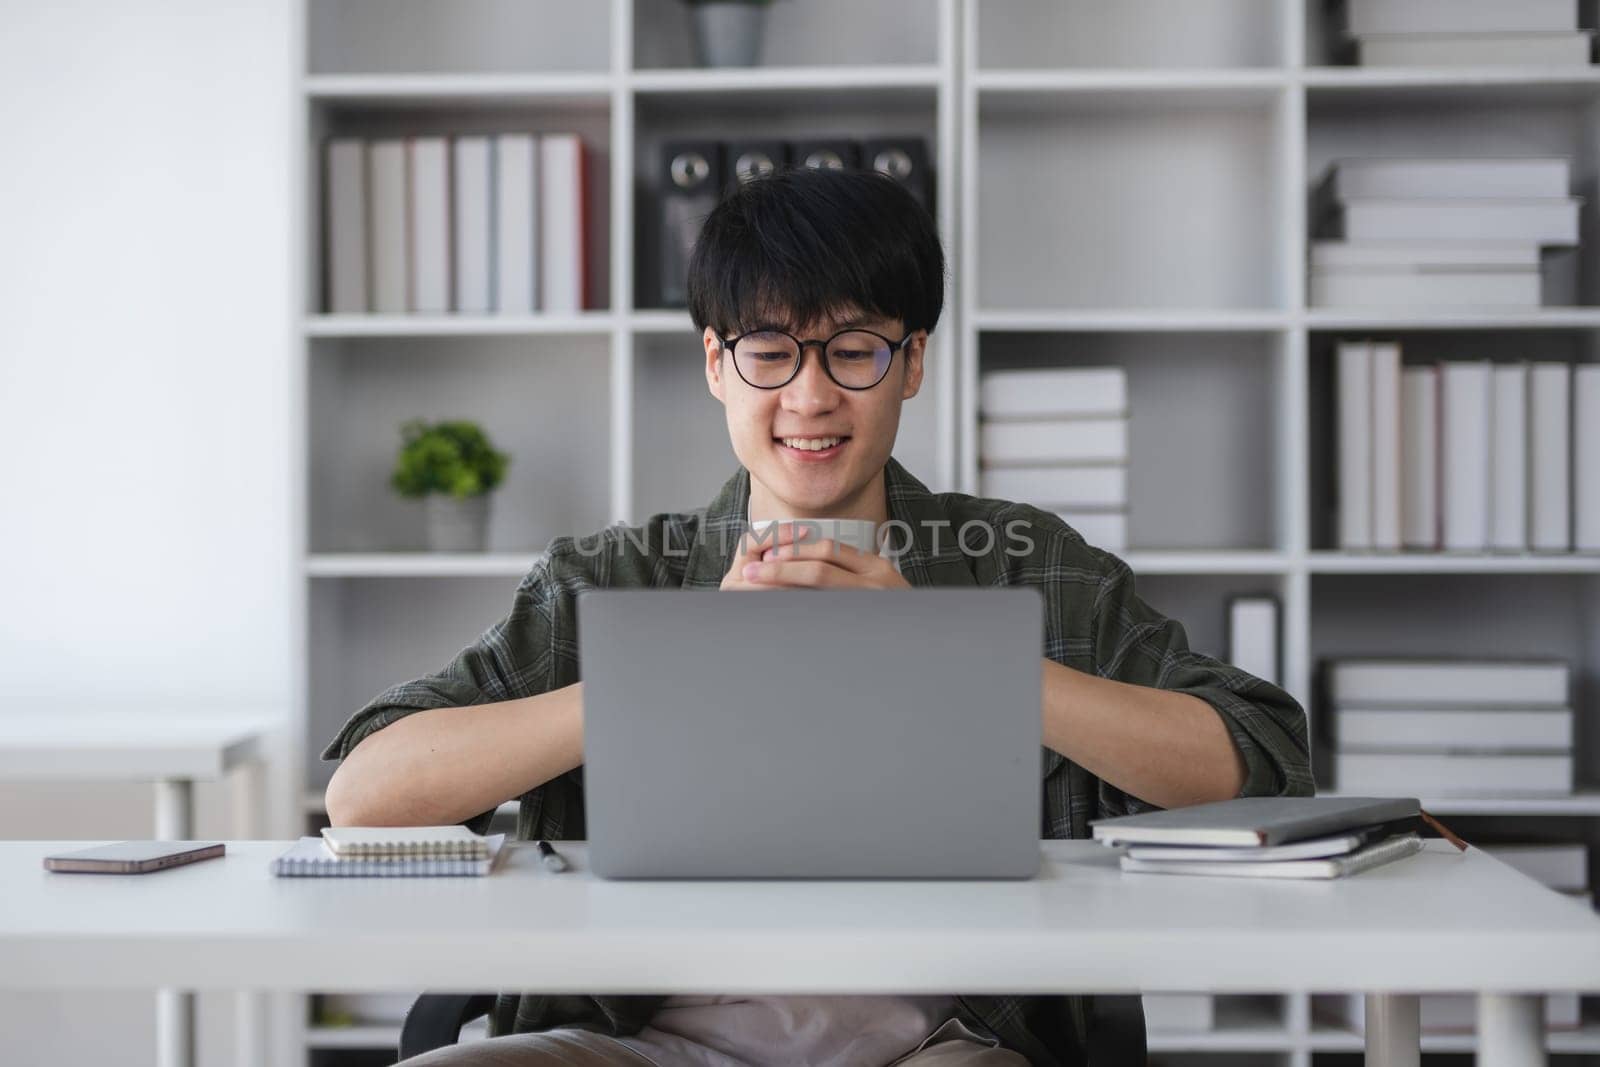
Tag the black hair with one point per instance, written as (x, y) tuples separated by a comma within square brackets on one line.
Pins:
[(798, 245)]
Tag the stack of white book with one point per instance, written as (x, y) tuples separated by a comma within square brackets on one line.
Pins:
[(1562, 867), (1058, 439), (469, 224), (1455, 33), (1466, 456), (1452, 728), (1439, 232)]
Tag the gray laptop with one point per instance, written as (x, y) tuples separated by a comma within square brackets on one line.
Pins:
[(815, 734)]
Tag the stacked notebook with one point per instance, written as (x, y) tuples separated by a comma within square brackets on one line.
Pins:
[(1268, 837), (1457, 33), (391, 852), (1440, 232), (1457, 728), (1057, 438)]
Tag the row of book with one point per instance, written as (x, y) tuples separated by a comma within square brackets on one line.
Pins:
[(1563, 867), (1057, 438), (1452, 33), (1439, 232), (693, 175), (1466, 456), (1455, 728), (469, 224)]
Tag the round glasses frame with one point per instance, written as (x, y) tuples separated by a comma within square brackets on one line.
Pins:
[(729, 344)]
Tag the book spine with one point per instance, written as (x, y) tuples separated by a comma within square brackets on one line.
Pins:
[(472, 257), (1550, 463), (1464, 418), (1386, 447), (1508, 469), (1355, 445), (389, 245), (346, 227), (1419, 477), (1586, 457), (430, 224)]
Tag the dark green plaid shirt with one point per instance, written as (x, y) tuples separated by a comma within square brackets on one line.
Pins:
[(1094, 622)]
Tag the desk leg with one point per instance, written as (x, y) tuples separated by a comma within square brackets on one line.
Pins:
[(174, 1009), (1394, 1030), (1510, 1030), (250, 1006)]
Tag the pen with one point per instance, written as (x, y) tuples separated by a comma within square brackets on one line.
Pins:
[(552, 859)]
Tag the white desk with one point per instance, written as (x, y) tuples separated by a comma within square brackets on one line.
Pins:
[(173, 751), (1439, 922)]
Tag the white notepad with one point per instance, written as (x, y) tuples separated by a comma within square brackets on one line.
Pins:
[(1375, 855), (310, 858), (420, 842)]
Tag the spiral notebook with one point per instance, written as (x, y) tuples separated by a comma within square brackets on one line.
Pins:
[(405, 842), (310, 857)]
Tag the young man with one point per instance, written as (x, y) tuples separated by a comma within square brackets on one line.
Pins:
[(815, 292)]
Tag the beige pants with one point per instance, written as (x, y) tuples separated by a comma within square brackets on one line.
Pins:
[(952, 1045)]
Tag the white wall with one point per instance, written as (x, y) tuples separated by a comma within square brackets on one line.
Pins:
[(145, 296)]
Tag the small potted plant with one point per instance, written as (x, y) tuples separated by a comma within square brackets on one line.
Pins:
[(452, 465), (727, 33)]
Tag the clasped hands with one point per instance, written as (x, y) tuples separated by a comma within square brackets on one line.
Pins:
[(792, 556)]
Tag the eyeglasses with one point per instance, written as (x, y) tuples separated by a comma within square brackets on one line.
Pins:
[(852, 359)]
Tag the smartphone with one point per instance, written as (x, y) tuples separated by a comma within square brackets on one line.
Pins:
[(133, 857)]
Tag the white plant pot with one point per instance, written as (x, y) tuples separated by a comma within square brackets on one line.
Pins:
[(457, 524), (728, 33)]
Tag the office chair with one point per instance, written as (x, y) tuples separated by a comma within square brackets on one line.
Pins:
[(1116, 1026)]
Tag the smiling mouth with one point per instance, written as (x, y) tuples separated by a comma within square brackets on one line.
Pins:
[(812, 444)]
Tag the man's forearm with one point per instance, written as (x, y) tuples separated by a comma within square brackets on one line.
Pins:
[(1168, 749), (437, 767)]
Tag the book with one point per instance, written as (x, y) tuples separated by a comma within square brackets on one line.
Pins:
[(428, 161), (1562, 867), (310, 858), (1056, 392), (1310, 849), (1508, 458), (1428, 286), (1106, 530), (1455, 774), (1354, 413), (1419, 456), (346, 226), (1541, 221), (389, 235), (1254, 821), (1385, 446), (1401, 177), (1449, 683), (1586, 457), (516, 224), (1253, 636), (1058, 488), (372, 842), (1334, 256), (1464, 392), (562, 217), (1459, 16), (1447, 729), (1179, 1012), (1572, 48), (1550, 458), (1045, 441), (1377, 854), (471, 251)]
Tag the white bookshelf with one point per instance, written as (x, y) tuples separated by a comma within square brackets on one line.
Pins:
[(1115, 183)]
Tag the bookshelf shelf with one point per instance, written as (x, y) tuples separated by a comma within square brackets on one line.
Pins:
[(434, 90), (1120, 184), (587, 322), (1546, 318), (784, 79), (1198, 320), (419, 564), (1450, 563)]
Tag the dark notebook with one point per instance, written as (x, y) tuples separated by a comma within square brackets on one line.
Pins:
[(1255, 821)]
